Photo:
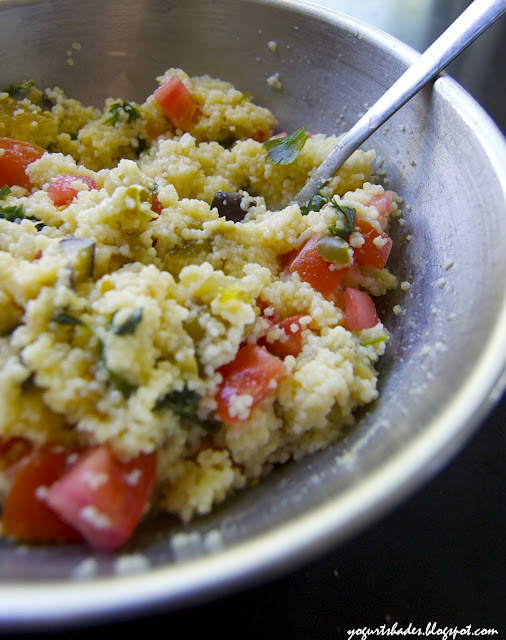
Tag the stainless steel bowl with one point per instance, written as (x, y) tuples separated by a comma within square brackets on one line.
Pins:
[(446, 361)]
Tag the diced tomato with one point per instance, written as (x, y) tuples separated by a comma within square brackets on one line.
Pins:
[(254, 372), (103, 497), (382, 202), (177, 102), (291, 343), (61, 190), (16, 156), (312, 268), (26, 514), (156, 205), (359, 310), (373, 253)]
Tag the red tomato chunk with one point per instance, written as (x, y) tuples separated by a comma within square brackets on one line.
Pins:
[(16, 156), (376, 248), (312, 268), (103, 497), (26, 514), (290, 344), (254, 372), (359, 310), (61, 190), (177, 102), (382, 202)]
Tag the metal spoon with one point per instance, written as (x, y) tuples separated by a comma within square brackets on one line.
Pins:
[(467, 27)]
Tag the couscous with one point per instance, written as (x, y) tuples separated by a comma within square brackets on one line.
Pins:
[(172, 325)]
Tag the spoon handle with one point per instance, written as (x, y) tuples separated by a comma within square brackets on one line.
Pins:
[(469, 25)]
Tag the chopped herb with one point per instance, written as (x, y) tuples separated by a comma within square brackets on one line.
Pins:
[(4, 191), (120, 383), (349, 220), (127, 108), (73, 136), (286, 149), (68, 320), (129, 326), (154, 188), (367, 343), (185, 404), (315, 204), (16, 213), (20, 91)]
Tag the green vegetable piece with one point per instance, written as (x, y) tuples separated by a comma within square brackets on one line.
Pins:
[(185, 404), (335, 250), (125, 388), (16, 214), (128, 327), (68, 320), (315, 204), (4, 191), (126, 107), (286, 149), (349, 220), (81, 254), (20, 91), (120, 383)]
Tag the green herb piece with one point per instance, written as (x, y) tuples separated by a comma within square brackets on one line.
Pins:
[(125, 388), (286, 149), (4, 191), (120, 383), (126, 107), (349, 220), (368, 343), (128, 327), (185, 404), (16, 213), (20, 91), (68, 320), (315, 204)]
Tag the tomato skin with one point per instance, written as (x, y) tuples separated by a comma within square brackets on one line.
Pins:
[(292, 346), (12, 450), (359, 310), (26, 515), (103, 497), (252, 372), (382, 202), (177, 102), (156, 205), (16, 157), (369, 254), (61, 191), (312, 268)]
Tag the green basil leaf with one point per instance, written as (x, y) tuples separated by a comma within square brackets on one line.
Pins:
[(4, 191), (185, 404), (349, 220), (68, 320), (315, 204), (126, 107), (129, 326), (286, 149)]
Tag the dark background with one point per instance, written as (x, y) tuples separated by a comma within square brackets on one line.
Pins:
[(439, 557)]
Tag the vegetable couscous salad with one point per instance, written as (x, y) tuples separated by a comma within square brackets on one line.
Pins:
[(171, 325)]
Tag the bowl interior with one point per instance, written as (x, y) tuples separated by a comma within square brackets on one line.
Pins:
[(440, 152)]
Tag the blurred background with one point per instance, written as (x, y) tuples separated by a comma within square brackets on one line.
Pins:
[(439, 557)]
